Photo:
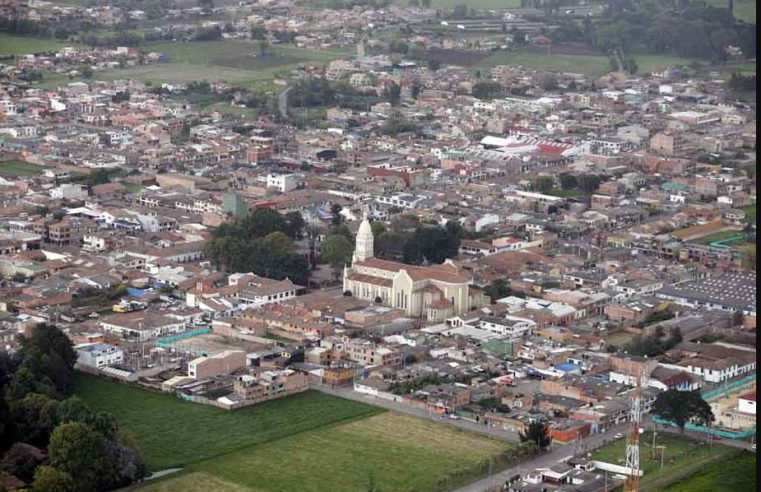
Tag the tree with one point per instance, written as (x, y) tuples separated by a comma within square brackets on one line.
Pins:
[(460, 11), (49, 479), (278, 243), (75, 448), (206, 5), (543, 184), (19, 462), (749, 257), (35, 416), (294, 225), (19, 278), (432, 244), (589, 183), (537, 433), (426, 3), (549, 83), (337, 251), (264, 48), (25, 382), (394, 94), (683, 407), (568, 181), (335, 211), (486, 90)]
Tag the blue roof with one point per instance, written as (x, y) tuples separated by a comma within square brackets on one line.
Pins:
[(568, 367)]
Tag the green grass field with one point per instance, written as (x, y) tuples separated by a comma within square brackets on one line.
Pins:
[(751, 211), (683, 458), (744, 9), (648, 63), (18, 45), (309, 442), (19, 168), (172, 432), (234, 62), (737, 474)]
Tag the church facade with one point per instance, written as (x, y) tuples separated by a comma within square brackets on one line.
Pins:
[(434, 293)]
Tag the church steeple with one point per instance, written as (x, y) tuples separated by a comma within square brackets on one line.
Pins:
[(365, 241)]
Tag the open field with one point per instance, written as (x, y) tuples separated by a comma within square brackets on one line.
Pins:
[(473, 4), (590, 65), (398, 452), (18, 45), (648, 63), (172, 432), (733, 475), (234, 62), (683, 458), (19, 168), (744, 9), (328, 443), (621, 339)]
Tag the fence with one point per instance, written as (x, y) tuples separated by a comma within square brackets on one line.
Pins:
[(707, 430), (167, 342), (728, 388)]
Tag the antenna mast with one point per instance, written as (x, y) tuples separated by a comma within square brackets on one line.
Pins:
[(633, 441)]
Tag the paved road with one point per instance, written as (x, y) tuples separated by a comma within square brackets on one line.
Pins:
[(350, 394), (546, 461), (559, 454)]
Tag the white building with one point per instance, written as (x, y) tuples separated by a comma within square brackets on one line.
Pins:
[(747, 403), (508, 326), (99, 355), (282, 182), (69, 192)]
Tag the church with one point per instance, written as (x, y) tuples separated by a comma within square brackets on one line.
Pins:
[(434, 293)]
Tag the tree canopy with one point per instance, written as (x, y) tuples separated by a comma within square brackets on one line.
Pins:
[(683, 407)]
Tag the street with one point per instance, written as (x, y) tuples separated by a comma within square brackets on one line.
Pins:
[(545, 461), (350, 394), (556, 455)]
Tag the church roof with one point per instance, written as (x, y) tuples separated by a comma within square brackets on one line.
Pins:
[(441, 273)]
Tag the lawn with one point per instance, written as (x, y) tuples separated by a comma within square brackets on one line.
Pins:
[(683, 458), (18, 45), (309, 442), (733, 475), (589, 65), (751, 211), (171, 432), (399, 453), (19, 168)]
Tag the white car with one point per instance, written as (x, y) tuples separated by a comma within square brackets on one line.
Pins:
[(619, 436)]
